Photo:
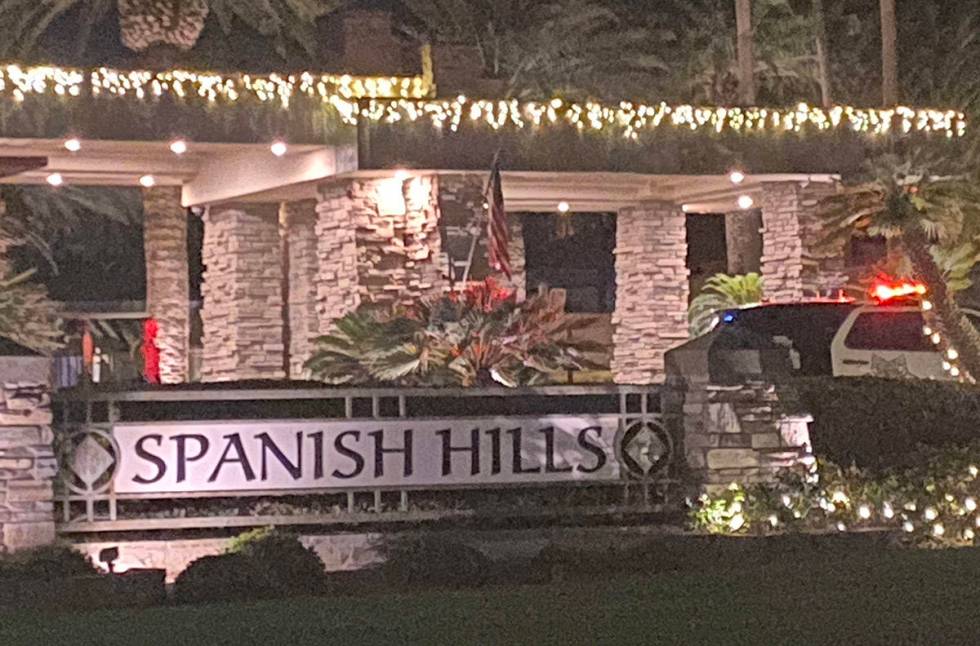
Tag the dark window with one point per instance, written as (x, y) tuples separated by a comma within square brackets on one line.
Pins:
[(884, 330), (575, 253)]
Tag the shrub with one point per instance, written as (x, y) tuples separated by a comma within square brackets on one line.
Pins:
[(878, 423), (259, 564), (431, 559), (48, 563)]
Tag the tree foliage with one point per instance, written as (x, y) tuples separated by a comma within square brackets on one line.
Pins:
[(722, 292)]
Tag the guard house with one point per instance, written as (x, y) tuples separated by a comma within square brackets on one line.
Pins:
[(321, 191)]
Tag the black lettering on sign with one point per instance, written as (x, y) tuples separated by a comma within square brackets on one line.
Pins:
[(149, 457), (516, 435), (549, 452), (295, 469), (380, 451), (448, 449), (183, 458), (338, 445), (234, 441), (494, 434), (594, 449), (317, 454)]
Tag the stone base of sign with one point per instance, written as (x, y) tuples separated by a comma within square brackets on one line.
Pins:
[(27, 461), (745, 433)]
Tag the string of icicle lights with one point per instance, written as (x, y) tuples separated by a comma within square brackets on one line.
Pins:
[(402, 99)]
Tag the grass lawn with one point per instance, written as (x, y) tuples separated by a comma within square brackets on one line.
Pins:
[(794, 591)]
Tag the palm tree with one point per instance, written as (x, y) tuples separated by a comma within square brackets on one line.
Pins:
[(889, 53), (903, 200), (158, 28), (540, 48), (823, 56), (746, 58), (722, 292)]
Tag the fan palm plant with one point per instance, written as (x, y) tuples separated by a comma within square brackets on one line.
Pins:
[(903, 200), (147, 25), (722, 292), (480, 337)]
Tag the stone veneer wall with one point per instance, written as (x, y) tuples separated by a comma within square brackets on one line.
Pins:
[(27, 462), (167, 280), (299, 231), (794, 265), (243, 301), (743, 241), (336, 282), (651, 290), (743, 433)]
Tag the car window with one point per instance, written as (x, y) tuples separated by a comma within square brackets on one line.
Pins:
[(898, 331)]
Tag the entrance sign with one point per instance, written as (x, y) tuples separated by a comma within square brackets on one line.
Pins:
[(184, 457)]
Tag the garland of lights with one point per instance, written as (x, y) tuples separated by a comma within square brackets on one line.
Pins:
[(19, 82), (633, 118), (397, 99)]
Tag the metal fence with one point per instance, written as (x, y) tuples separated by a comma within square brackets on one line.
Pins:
[(90, 456)]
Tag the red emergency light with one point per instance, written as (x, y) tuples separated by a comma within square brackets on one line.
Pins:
[(882, 292)]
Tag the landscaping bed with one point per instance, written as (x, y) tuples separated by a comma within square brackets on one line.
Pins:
[(802, 589)]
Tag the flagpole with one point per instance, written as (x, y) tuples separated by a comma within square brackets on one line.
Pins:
[(484, 220)]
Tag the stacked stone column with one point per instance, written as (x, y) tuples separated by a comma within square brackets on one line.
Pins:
[(337, 290), (167, 281), (651, 290), (27, 462), (743, 241), (796, 262), (299, 231), (243, 300)]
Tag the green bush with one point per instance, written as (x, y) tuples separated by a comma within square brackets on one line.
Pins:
[(48, 563), (878, 423), (260, 564), (431, 559)]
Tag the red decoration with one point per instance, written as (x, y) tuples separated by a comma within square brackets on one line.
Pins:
[(151, 353)]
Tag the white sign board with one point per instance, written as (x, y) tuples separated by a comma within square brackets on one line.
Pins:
[(178, 457)]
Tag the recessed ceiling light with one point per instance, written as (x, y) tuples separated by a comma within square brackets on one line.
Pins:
[(279, 148), (745, 201), (178, 147), (736, 176), (401, 175), (563, 207), (148, 181), (55, 179), (685, 208), (73, 145)]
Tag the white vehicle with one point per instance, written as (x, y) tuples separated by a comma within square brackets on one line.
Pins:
[(844, 338)]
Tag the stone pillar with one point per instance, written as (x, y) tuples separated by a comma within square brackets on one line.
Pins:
[(243, 300), (743, 433), (515, 249), (743, 241), (27, 462), (651, 290), (795, 263), (167, 279), (336, 279), (461, 200), (421, 240), (300, 239)]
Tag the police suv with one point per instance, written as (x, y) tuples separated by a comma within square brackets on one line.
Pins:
[(886, 338)]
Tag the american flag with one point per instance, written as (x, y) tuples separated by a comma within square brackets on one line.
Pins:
[(498, 234)]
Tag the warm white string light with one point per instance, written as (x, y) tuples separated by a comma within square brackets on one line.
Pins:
[(403, 99)]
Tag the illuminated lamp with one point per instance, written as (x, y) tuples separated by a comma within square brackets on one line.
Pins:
[(736, 177), (745, 202), (563, 207), (178, 147), (55, 179), (73, 145), (390, 197), (279, 148)]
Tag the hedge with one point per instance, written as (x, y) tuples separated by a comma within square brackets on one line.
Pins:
[(878, 423)]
